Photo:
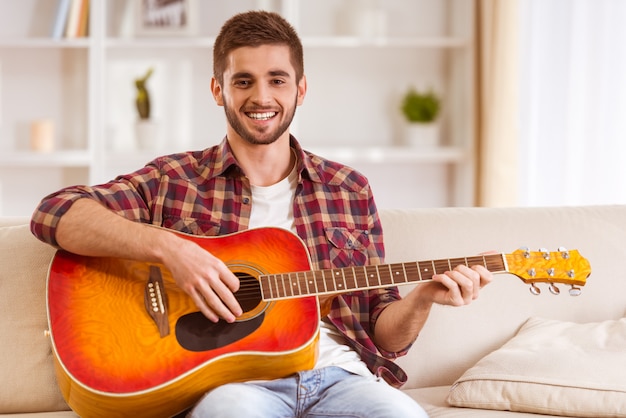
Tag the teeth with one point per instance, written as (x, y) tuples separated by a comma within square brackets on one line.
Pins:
[(261, 116)]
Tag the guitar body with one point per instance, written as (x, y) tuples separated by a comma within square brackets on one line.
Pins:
[(111, 360)]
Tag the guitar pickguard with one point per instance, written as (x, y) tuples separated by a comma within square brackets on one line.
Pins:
[(195, 332)]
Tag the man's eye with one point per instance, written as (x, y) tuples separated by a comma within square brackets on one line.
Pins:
[(242, 83), (278, 82)]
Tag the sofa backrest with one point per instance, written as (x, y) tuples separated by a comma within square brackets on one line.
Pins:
[(27, 380), (455, 338)]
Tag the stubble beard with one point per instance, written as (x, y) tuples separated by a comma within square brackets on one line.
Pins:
[(255, 138)]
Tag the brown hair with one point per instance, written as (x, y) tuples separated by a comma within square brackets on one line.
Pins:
[(256, 28)]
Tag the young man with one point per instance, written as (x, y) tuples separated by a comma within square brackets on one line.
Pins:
[(260, 176)]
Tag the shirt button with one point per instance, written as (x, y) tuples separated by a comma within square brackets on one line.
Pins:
[(246, 200)]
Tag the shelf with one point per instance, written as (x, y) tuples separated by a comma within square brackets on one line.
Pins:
[(45, 43), (383, 42), (69, 158), (370, 154), (395, 154), (160, 42), (310, 42)]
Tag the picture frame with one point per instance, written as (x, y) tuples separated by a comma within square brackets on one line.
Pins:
[(165, 17)]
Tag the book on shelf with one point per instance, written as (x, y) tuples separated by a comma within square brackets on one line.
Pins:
[(71, 20), (58, 29)]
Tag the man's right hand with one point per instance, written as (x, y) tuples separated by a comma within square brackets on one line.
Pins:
[(205, 278)]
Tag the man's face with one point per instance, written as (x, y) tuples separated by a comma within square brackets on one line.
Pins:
[(260, 92)]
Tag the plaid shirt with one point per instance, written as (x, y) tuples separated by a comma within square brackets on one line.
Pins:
[(206, 193)]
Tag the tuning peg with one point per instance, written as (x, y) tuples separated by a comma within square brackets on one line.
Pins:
[(526, 251), (553, 289), (564, 252), (575, 291), (534, 289), (545, 253)]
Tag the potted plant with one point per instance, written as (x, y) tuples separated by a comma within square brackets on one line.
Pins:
[(421, 111), (146, 129)]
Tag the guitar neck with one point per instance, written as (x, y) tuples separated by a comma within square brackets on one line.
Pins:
[(320, 282)]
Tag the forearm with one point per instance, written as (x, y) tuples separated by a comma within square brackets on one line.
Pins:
[(400, 323), (88, 228)]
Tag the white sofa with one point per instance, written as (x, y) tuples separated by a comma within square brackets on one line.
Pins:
[(567, 361)]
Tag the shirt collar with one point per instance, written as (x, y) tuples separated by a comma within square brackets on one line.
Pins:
[(221, 161)]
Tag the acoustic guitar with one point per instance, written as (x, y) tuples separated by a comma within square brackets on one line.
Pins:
[(127, 342)]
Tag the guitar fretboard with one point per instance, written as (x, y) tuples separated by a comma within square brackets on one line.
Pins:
[(319, 282)]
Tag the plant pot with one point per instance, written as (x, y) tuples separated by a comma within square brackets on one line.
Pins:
[(422, 135), (148, 135)]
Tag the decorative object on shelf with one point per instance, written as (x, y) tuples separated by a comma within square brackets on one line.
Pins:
[(421, 111), (165, 18), (42, 135), (365, 20), (146, 129)]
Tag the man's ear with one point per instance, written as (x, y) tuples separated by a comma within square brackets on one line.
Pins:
[(216, 89), (301, 90)]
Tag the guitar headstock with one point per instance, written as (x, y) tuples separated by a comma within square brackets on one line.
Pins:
[(543, 266)]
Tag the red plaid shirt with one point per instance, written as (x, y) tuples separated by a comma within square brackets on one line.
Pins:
[(206, 193)]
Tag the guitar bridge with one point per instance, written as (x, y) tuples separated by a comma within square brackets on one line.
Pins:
[(155, 300)]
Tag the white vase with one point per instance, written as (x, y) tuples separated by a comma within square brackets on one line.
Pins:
[(148, 135), (423, 135)]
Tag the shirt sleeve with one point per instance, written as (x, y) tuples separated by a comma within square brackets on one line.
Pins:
[(129, 195)]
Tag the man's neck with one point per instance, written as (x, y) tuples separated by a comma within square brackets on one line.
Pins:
[(264, 165)]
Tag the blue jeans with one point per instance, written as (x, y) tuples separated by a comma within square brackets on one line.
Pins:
[(328, 392)]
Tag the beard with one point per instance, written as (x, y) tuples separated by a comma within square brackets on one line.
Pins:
[(256, 137)]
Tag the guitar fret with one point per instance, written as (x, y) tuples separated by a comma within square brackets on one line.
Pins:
[(398, 274), (323, 280), (336, 280), (317, 280), (441, 266), (425, 269), (353, 284), (292, 285), (384, 275), (309, 283), (284, 285), (377, 275), (360, 276), (372, 274), (298, 284)]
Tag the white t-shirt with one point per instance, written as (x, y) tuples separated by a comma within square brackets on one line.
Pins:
[(273, 206)]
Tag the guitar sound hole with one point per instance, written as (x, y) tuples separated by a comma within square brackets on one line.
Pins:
[(249, 293)]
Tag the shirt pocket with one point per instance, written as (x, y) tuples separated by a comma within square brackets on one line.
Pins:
[(193, 226), (348, 247)]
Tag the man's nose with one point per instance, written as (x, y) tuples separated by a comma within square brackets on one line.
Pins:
[(261, 94)]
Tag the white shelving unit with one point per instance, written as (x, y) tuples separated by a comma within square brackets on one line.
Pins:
[(351, 112)]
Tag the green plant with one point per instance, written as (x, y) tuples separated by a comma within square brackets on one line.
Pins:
[(142, 100), (420, 107)]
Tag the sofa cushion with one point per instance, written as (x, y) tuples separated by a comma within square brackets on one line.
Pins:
[(26, 368), (551, 367)]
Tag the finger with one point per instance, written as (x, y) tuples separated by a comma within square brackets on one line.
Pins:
[(474, 276), (226, 288), (220, 299), (453, 296), (467, 281), (485, 275), (201, 303)]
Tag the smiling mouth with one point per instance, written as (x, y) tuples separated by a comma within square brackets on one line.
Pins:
[(261, 116)]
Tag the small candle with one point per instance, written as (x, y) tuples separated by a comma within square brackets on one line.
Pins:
[(42, 135)]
